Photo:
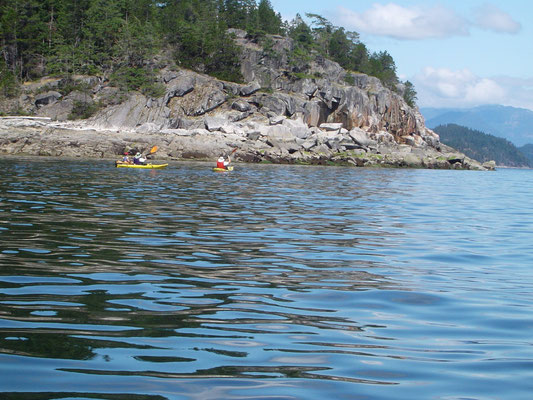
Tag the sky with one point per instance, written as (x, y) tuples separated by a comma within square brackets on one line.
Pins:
[(457, 53)]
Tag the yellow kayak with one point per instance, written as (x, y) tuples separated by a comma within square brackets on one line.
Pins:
[(230, 168), (120, 164)]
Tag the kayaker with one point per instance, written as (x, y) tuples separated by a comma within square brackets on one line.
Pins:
[(139, 159), (223, 163), (126, 158)]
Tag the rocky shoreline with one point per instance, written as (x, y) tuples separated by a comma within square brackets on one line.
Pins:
[(331, 145)]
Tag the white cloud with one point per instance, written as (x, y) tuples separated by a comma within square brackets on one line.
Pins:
[(484, 91), (442, 87), (490, 17), (520, 91), (401, 22), (423, 22)]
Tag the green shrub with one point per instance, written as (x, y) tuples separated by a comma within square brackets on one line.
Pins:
[(349, 79), (134, 78), (83, 110), (153, 90)]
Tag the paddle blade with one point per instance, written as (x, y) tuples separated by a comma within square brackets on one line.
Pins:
[(153, 150)]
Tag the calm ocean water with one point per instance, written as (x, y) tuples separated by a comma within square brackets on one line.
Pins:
[(269, 282)]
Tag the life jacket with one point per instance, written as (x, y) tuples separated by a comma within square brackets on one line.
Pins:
[(221, 164)]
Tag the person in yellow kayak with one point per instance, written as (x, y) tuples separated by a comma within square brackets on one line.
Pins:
[(139, 159), (222, 163), (126, 158)]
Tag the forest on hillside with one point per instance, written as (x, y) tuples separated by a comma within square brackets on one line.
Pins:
[(120, 39), (527, 150), (481, 146)]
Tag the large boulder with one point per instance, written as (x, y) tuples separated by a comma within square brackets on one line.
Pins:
[(126, 115), (213, 123), (49, 97), (297, 128), (241, 105), (362, 138), (250, 89), (181, 85)]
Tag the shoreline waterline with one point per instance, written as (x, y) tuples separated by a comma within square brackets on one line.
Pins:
[(79, 140)]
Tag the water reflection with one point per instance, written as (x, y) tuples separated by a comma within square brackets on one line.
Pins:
[(135, 281)]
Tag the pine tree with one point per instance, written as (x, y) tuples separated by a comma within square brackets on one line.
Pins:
[(136, 43), (234, 14), (382, 66), (409, 93), (268, 21), (24, 36), (340, 48), (100, 32), (322, 31), (143, 10), (301, 32)]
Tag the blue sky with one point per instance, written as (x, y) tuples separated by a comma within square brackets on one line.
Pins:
[(457, 53)]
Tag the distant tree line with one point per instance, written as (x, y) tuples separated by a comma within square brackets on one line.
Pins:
[(527, 150), (119, 39), (481, 146)]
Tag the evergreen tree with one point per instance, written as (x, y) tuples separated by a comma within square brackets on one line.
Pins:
[(8, 82), (268, 21), (235, 14), (200, 40), (301, 33), (249, 10), (9, 31), (24, 36), (381, 65), (70, 19), (409, 93), (101, 31), (339, 45), (340, 48), (223, 59), (136, 43), (322, 31), (145, 11), (359, 58)]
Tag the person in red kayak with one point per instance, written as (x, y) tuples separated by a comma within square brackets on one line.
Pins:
[(222, 163)]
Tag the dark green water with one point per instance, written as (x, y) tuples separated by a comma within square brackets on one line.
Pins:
[(269, 282)]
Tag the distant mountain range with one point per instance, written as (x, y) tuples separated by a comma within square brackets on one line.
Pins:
[(511, 123)]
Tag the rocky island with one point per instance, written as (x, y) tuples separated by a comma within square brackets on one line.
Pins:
[(327, 116)]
